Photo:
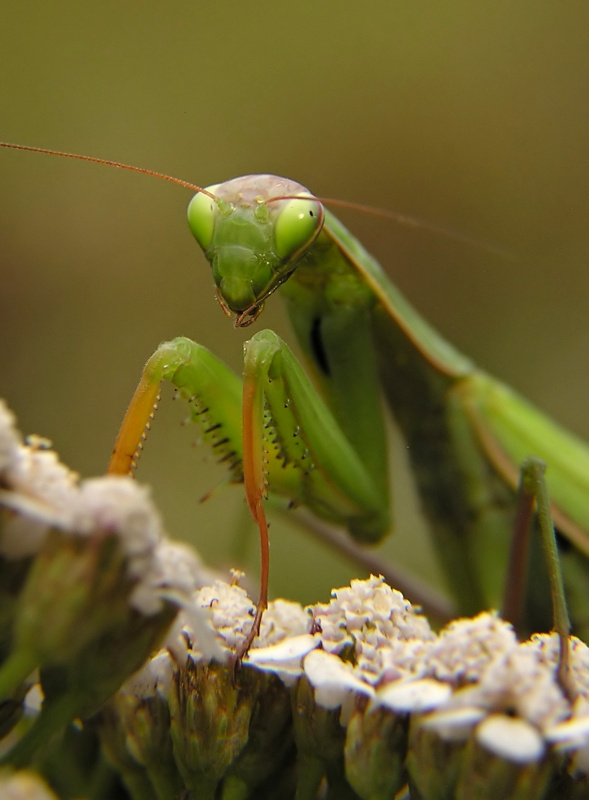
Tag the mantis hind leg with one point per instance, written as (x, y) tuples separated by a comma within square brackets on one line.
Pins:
[(532, 494)]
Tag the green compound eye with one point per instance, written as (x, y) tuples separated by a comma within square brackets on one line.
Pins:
[(297, 225), (202, 212)]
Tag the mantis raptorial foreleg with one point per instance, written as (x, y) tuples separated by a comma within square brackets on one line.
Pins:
[(274, 428), (186, 365)]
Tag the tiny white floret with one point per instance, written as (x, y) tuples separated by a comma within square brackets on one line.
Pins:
[(285, 658), (332, 679), (511, 738), (408, 696)]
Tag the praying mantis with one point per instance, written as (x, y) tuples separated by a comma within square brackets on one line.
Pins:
[(322, 443)]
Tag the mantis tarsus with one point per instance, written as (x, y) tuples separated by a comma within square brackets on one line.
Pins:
[(467, 434)]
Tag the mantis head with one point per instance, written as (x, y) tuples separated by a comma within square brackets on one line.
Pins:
[(254, 231)]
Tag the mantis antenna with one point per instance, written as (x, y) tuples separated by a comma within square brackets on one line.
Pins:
[(405, 220), (108, 163)]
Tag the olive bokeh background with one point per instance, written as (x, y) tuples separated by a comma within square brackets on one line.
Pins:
[(473, 116)]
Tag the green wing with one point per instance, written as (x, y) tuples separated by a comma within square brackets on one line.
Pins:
[(510, 429), (467, 435)]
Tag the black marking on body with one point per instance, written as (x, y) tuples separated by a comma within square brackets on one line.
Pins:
[(318, 348)]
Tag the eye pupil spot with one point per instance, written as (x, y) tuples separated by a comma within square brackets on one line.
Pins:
[(292, 233)]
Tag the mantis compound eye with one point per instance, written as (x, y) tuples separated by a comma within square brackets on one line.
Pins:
[(202, 212), (297, 225)]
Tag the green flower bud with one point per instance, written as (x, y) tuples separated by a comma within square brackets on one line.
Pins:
[(270, 738), (210, 718), (375, 750), (320, 738), (136, 732)]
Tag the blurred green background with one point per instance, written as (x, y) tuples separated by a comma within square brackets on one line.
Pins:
[(474, 116)]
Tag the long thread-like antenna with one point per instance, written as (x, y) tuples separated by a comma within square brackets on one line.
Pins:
[(400, 219), (106, 162), (406, 221)]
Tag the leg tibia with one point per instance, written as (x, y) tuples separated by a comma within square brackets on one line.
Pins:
[(306, 456), (211, 389), (533, 491)]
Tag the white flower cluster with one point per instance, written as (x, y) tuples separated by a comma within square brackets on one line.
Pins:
[(40, 494), (474, 677), (388, 637), (572, 734), (365, 650), (34, 484), (506, 694), (284, 638), (215, 623)]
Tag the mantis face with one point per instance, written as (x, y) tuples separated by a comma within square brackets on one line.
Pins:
[(254, 231)]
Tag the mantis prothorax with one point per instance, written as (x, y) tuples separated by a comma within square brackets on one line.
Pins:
[(467, 434)]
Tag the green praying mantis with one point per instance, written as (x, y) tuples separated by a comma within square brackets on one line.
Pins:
[(322, 443)]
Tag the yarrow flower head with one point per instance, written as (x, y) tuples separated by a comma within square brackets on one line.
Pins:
[(359, 693), (94, 583)]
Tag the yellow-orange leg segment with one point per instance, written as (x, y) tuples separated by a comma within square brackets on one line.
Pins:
[(253, 475), (136, 422)]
